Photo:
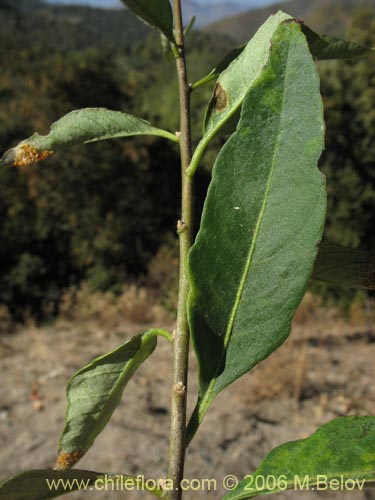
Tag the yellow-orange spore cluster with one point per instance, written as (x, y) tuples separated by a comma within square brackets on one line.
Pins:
[(66, 460), (27, 155)]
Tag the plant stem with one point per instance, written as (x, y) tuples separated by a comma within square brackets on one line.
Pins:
[(177, 443)]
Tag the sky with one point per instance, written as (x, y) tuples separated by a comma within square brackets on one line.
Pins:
[(104, 3)]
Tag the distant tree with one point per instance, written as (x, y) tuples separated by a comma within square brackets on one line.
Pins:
[(348, 88)]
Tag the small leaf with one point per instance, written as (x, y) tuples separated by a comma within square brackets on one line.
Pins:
[(155, 13), (94, 392), (345, 267), (324, 47), (262, 220), (190, 26), (80, 127), (341, 452), (46, 483)]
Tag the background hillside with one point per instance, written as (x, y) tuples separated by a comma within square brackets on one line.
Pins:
[(327, 16), (68, 28), (104, 214), (206, 11)]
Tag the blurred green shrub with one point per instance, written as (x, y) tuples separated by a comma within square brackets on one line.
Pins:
[(107, 213)]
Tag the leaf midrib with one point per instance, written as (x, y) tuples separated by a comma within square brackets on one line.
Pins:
[(206, 400)]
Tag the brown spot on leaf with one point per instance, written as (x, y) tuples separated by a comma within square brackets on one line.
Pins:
[(220, 98), (66, 460), (27, 155), (294, 20)]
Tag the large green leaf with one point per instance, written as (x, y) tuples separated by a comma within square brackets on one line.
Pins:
[(262, 220), (79, 127), (345, 267), (42, 484), (94, 392), (339, 456), (234, 83), (156, 13)]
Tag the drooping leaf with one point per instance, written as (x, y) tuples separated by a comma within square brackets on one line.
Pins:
[(235, 81), (80, 127), (262, 220), (42, 484), (94, 392), (325, 47), (340, 453), (155, 13), (345, 267)]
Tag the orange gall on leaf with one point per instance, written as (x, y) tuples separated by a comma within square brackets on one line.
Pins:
[(25, 154), (67, 460)]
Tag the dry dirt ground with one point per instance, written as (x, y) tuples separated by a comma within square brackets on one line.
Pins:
[(325, 370)]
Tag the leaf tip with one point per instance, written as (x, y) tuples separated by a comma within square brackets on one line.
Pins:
[(66, 460), (24, 154)]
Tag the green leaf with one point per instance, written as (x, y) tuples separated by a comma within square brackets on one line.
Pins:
[(345, 267), (234, 83), (80, 127), (341, 452), (324, 47), (155, 13), (46, 483), (190, 26), (94, 392), (42, 484), (223, 64), (262, 220)]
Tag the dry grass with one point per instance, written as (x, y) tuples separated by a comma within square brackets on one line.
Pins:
[(135, 304), (281, 375), (285, 372), (6, 322), (153, 299)]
